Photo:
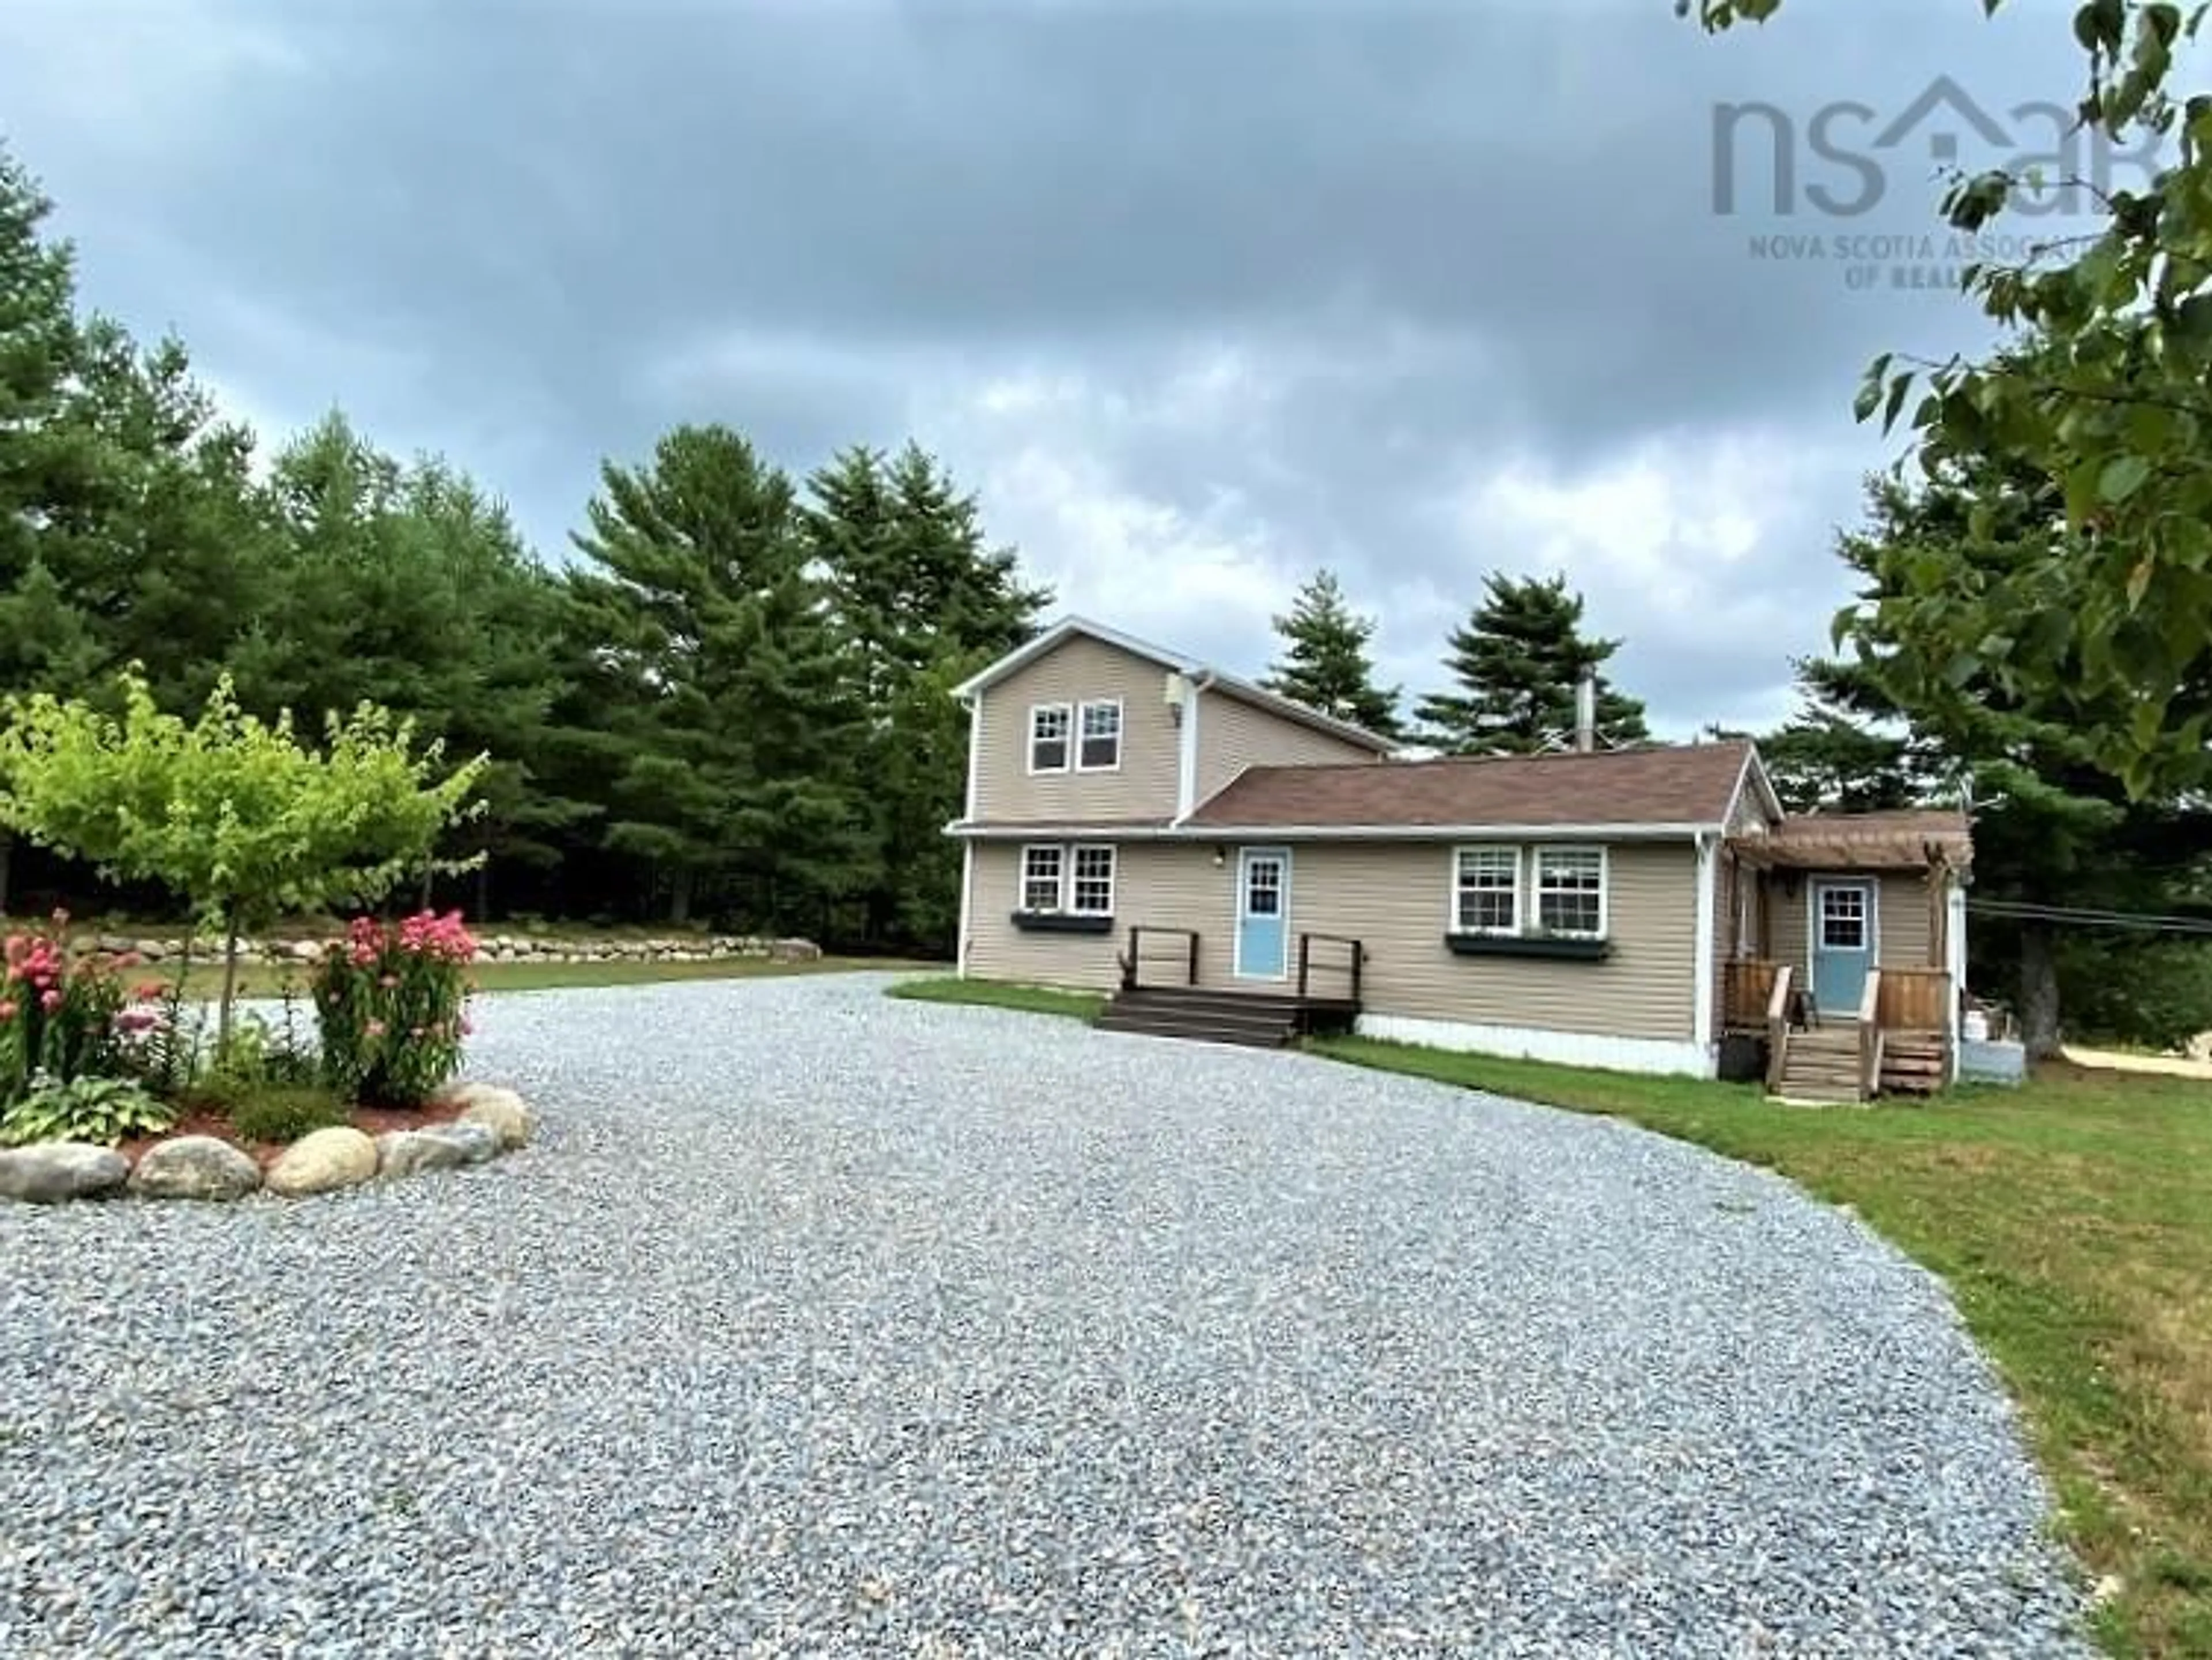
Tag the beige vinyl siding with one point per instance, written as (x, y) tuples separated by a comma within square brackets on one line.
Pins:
[(1901, 921), (1395, 897), (1077, 669), (1233, 734), (1749, 817)]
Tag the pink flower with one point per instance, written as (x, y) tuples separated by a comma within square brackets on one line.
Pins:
[(50, 1001), (467, 1027), (61, 917), (151, 991), (389, 982), (7, 1009), (414, 1031), (375, 1029)]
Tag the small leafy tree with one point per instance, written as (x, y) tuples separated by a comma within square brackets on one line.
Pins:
[(234, 814)]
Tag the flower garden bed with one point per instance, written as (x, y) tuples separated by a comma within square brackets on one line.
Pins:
[(104, 1090)]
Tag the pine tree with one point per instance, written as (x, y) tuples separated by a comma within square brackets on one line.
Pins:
[(39, 351), (1517, 662), (924, 600), (732, 701), (1326, 663), (2051, 827), (1846, 750)]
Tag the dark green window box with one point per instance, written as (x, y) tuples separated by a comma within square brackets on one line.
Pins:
[(1060, 921), (1528, 944)]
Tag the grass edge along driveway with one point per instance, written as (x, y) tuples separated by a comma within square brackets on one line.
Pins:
[(2072, 1218)]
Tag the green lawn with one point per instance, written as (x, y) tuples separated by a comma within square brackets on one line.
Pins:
[(205, 979), (992, 993), (2072, 1219)]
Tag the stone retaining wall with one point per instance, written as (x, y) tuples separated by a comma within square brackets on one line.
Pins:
[(500, 948)]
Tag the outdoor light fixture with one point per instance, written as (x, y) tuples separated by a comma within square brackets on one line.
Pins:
[(1220, 857)]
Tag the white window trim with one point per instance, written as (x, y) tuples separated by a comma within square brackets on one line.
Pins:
[(1604, 889), (1520, 890), (1022, 878), (1120, 732), (1113, 877), (1030, 752)]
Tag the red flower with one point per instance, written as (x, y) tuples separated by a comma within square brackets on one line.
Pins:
[(150, 991)]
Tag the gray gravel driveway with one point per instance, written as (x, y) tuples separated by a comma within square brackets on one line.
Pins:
[(820, 1322)]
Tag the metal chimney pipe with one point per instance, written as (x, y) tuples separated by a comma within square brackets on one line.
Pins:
[(1586, 712)]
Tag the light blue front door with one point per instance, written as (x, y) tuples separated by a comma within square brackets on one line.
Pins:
[(1843, 933), (1263, 913)]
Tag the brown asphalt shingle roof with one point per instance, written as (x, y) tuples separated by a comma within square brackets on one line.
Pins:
[(1686, 784)]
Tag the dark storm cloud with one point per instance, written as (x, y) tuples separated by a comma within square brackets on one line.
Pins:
[(1433, 241)]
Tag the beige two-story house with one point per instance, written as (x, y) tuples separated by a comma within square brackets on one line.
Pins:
[(1230, 863)]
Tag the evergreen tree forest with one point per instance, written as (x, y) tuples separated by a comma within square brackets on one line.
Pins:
[(730, 703)]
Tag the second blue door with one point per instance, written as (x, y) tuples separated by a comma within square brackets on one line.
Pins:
[(1263, 913)]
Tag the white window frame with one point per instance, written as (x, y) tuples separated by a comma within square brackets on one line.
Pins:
[(1073, 898), (1059, 852), (1121, 732), (1067, 713), (1536, 891), (1516, 855)]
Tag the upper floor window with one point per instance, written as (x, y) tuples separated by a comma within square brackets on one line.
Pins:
[(1571, 891), (1489, 891), (1048, 737), (1100, 750)]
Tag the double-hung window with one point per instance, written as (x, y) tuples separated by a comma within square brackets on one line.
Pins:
[(1100, 731), (1570, 891), (1091, 889), (1487, 891), (1041, 869), (1060, 878), (1049, 737)]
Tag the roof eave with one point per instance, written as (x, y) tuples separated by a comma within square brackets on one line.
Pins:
[(1031, 650), (1189, 831)]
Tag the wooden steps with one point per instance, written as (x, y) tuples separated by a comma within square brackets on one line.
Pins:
[(1821, 1065), (1914, 1062), (1255, 1019)]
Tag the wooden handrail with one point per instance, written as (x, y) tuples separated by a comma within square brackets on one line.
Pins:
[(1132, 965), (1358, 955), (1915, 999), (1870, 1037), (1745, 983), (1778, 1026)]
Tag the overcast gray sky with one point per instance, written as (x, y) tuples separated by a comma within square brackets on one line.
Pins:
[(1196, 297)]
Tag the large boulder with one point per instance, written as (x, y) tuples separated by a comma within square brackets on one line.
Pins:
[(506, 1113), (54, 1172), (794, 951), (475, 1144), (195, 1167), (324, 1161), (409, 1152)]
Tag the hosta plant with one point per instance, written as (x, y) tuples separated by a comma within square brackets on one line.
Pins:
[(104, 1110)]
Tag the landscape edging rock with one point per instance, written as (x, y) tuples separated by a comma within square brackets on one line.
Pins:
[(494, 1120)]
